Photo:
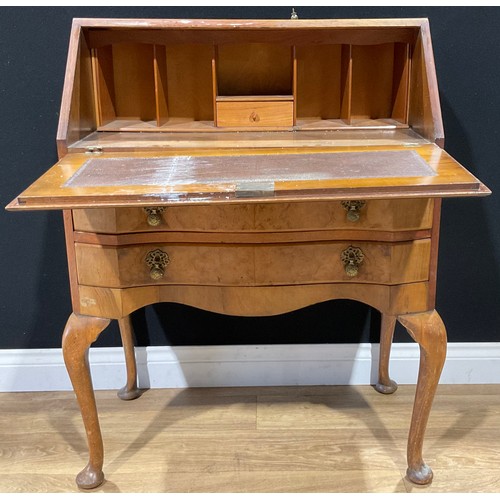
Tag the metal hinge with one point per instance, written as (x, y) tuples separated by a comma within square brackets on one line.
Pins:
[(93, 149)]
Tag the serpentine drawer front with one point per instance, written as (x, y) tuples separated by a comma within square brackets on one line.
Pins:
[(243, 265), (251, 168), (374, 215)]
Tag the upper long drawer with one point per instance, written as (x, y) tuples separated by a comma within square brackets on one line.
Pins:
[(375, 215)]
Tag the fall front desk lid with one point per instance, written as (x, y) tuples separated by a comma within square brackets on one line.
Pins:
[(140, 179)]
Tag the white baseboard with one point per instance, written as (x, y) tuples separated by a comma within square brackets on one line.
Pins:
[(247, 365)]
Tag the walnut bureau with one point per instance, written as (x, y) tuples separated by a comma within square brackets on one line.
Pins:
[(251, 168)]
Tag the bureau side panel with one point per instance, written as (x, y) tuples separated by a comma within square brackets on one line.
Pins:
[(71, 256)]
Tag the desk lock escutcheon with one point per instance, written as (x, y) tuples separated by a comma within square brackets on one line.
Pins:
[(352, 258), (157, 261), (353, 208), (154, 215)]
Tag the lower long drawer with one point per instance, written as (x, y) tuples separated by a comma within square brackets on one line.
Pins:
[(253, 264)]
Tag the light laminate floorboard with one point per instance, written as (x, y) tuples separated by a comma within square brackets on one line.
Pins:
[(267, 439)]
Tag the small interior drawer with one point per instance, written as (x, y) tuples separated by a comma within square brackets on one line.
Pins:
[(254, 113)]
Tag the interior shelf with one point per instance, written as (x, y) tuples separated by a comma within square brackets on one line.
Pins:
[(144, 87)]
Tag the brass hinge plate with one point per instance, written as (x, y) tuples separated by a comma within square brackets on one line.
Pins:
[(93, 149)]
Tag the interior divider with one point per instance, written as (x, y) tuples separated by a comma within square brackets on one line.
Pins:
[(161, 90), (401, 82), (346, 84), (215, 88), (294, 83)]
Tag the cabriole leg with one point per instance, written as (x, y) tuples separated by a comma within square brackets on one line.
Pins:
[(385, 385), (130, 390), (79, 334), (427, 329)]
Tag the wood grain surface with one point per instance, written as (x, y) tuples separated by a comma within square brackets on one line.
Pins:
[(377, 215), (253, 264), (272, 439), (51, 192)]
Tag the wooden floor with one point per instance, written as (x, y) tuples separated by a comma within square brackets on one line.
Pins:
[(305, 439)]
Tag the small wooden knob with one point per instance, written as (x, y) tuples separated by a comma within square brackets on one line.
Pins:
[(254, 117)]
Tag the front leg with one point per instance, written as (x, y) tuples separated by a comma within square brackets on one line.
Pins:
[(427, 329), (80, 332)]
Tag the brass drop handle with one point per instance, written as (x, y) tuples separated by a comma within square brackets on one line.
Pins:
[(157, 261), (353, 208), (352, 258), (154, 215)]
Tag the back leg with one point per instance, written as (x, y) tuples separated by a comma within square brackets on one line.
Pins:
[(130, 390), (385, 385)]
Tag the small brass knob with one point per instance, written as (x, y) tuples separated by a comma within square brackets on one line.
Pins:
[(351, 269), (156, 273), (353, 207), (352, 258), (157, 261), (154, 215)]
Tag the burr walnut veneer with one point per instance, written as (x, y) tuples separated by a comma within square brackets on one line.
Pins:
[(251, 168)]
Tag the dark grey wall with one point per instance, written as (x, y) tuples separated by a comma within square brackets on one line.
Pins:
[(34, 294)]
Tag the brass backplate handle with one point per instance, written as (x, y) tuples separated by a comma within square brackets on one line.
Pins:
[(157, 261), (154, 215), (352, 258), (353, 208)]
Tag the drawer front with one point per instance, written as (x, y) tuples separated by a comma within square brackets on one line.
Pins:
[(376, 215), (253, 265), (255, 114)]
